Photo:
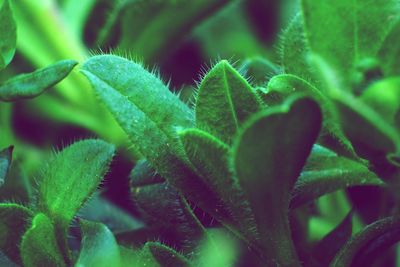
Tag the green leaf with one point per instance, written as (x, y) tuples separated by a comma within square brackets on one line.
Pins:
[(346, 33), (30, 85), (165, 256), (14, 220), (224, 101), (326, 172), (258, 70), (99, 247), (143, 174), (325, 250), (39, 245), (384, 98), (164, 208), (294, 49), (5, 162), (70, 178), (77, 13), (8, 29), (283, 85), (210, 157), (150, 114), (389, 53), (367, 244), (268, 156)]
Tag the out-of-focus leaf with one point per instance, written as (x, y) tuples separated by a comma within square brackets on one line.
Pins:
[(326, 172), (268, 157), (150, 114), (366, 245), (389, 53), (17, 187), (281, 86), (325, 250), (39, 245), (8, 29), (76, 12), (70, 178), (99, 247), (210, 157), (30, 85), (14, 220), (384, 98), (5, 162), (258, 70), (224, 101), (344, 34)]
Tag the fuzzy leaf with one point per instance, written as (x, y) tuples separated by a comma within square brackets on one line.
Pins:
[(367, 244), (259, 70), (5, 162), (39, 245), (210, 158), (143, 174), (99, 247), (346, 33), (165, 256), (14, 220), (326, 172), (325, 250), (30, 85), (149, 113), (8, 29), (224, 101), (268, 156), (70, 178), (163, 207), (331, 135), (294, 49)]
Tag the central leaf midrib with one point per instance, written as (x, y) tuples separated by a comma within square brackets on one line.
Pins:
[(229, 99)]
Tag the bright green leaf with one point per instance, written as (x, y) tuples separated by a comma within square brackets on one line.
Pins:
[(326, 172), (345, 33), (14, 220), (150, 114), (70, 178), (39, 245), (389, 53), (30, 85), (224, 101), (99, 247), (8, 29), (268, 157)]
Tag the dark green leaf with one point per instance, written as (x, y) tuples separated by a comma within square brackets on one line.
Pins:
[(70, 178), (14, 220), (5, 162), (224, 101), (8, 29), (346, 33), (210, 158), (17, 187), (99, 247), (165, 256), (163, 207), (326, 172), (367, 244), (30, 85), (143, 174), (283, 85), (325, 250), (150, 114), (268, 156), (39, 245)]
